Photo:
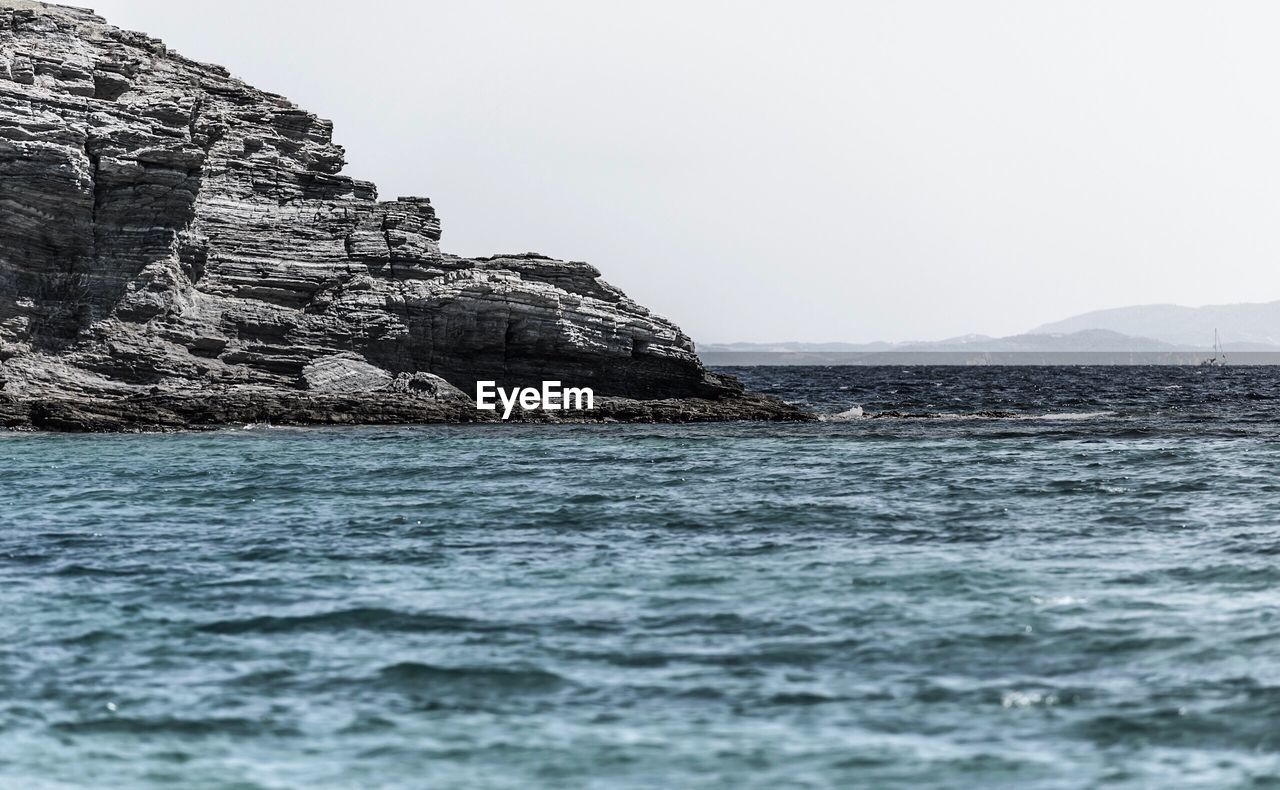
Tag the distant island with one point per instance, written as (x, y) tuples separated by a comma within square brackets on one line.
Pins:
[(1253, 326), (1145, 334), (1146, 328)]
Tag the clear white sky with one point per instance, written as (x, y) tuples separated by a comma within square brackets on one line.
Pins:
[(804, 170)]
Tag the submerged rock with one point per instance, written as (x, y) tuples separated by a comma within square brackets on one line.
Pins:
[(179, 248)]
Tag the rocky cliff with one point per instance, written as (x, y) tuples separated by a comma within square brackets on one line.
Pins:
[(179, 248)]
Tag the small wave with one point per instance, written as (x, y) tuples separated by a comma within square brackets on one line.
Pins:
[(266, 678), (944, 415), (1027, 699), (1227, 574), (94, 637), (168, 725), (412, 675), (849, 414), (369, 619), (1058, 600), (800, 698), (367, 723), (723, 623), (75, 569), (1070, 415), (985, 414)]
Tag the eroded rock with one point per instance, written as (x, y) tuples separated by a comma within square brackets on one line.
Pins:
[(170, 233), (344, 373)]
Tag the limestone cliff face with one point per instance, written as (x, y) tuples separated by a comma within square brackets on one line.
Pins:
[(164, 225)]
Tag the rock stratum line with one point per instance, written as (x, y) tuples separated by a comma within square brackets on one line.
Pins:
[(179, 249)]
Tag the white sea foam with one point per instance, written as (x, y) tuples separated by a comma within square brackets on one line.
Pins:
[(1058, 600), (849, 414), (856, 413), (1026, 699)]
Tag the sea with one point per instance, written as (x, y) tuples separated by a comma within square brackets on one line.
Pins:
[(988, 577)]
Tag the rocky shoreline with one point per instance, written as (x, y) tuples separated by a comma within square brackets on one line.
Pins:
[(179, 249), (167, 412)]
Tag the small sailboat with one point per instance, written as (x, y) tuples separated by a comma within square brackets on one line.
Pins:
[(1219, 357)]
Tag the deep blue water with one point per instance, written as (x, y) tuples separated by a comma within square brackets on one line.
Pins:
[(1041, 578)]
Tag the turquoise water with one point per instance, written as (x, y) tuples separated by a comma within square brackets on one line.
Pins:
[(1055, 598)]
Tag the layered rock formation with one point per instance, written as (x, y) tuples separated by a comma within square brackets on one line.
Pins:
[(179, 248)]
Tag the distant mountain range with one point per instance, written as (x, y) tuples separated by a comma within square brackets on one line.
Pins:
[(1242, 327), (1145, 328)]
